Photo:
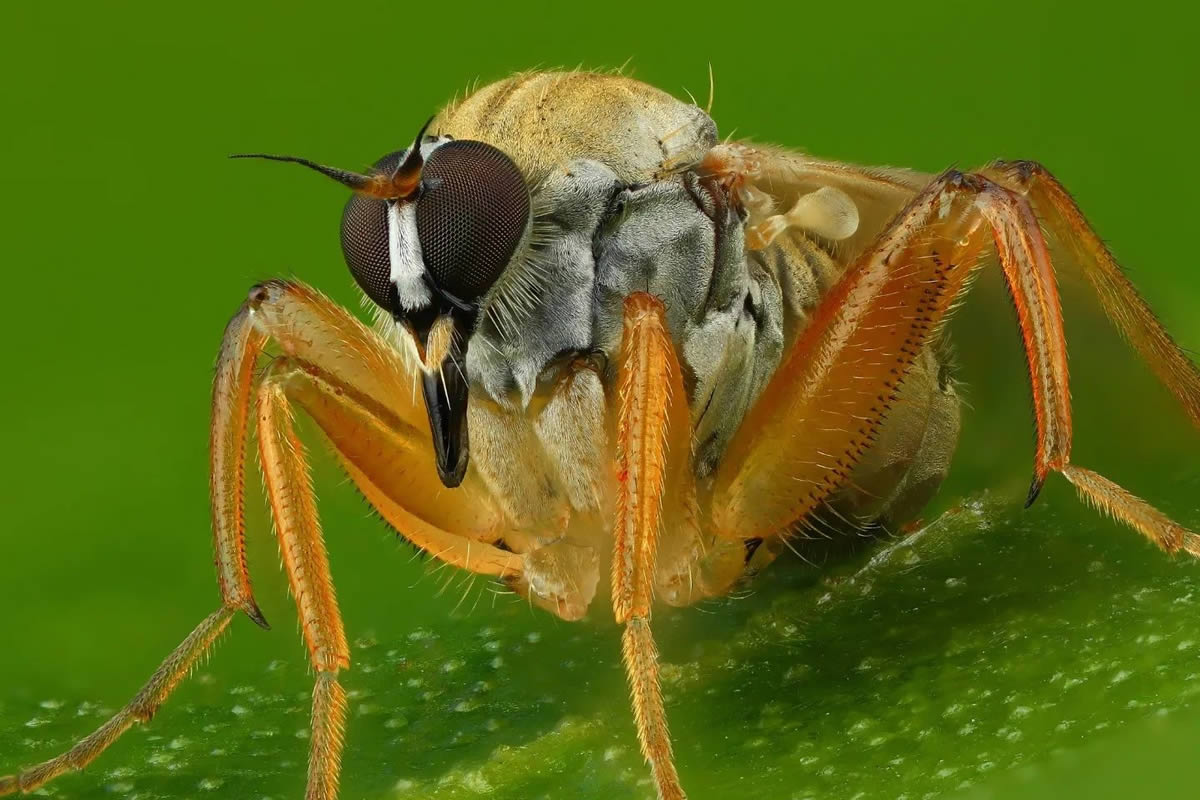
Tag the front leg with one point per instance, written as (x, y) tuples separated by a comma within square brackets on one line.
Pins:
[(303, 324), (293, 508), (356, 387), (140, 709)]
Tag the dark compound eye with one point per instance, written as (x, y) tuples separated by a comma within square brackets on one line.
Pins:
[(470, 217), (365, 246), (365, 239)]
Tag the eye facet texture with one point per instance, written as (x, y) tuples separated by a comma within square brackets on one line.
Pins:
[(365, 239), (470, 217)]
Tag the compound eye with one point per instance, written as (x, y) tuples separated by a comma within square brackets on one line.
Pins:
[(365, 240), (365, 247), (471, 216)]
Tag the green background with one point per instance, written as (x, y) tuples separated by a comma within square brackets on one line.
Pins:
[(1004, 654)]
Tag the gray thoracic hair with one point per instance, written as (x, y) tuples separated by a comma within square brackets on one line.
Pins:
[(595, 242)]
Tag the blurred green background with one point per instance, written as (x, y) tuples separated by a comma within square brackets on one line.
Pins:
[(1005, 654)]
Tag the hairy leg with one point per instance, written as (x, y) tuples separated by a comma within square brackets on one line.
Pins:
[(825, 403), (358, 367), (293, 507), (823, 408), (377, 450), (140, 709), (652, 442), (305, 324), (1120, 300)]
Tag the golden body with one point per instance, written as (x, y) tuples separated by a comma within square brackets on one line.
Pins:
[(548, 121), (675, 447)]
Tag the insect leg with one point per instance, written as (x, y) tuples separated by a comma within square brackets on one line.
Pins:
[(652, 438), (366, 444), (303, 323), (359, 390), (1121, 301), (143, 706), (240, 348), (377, 450), (233, 385), (372, 439), (141, 709), (293, 507), (368, 441), (357, 365), (1023, 255), (823, 407), (1025, 261)]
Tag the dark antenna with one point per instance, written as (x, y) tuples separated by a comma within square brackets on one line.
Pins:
[(402, 183), (351, 179)]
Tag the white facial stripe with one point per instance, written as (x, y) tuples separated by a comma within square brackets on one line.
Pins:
[(404, 249)]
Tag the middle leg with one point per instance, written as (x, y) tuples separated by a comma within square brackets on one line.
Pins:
[(653, 459)]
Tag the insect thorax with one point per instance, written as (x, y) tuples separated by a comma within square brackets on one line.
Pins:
[(595, 241), (619, 207)]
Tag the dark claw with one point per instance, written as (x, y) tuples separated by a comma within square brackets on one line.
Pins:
[(1034, 490), (256, 616)]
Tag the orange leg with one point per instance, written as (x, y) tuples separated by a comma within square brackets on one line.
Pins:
[(369, 443), (349, 383), (304, 324), (377, 451), (354, 365), (826, 401), (652, 442), (1118, 296), (356, 387), (240, 349), (143, 706), (293, 507)]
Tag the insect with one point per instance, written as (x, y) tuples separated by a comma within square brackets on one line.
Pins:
[(607, 343)]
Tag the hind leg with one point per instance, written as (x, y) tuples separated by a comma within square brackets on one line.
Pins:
[(825, 408), (903, 471)]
